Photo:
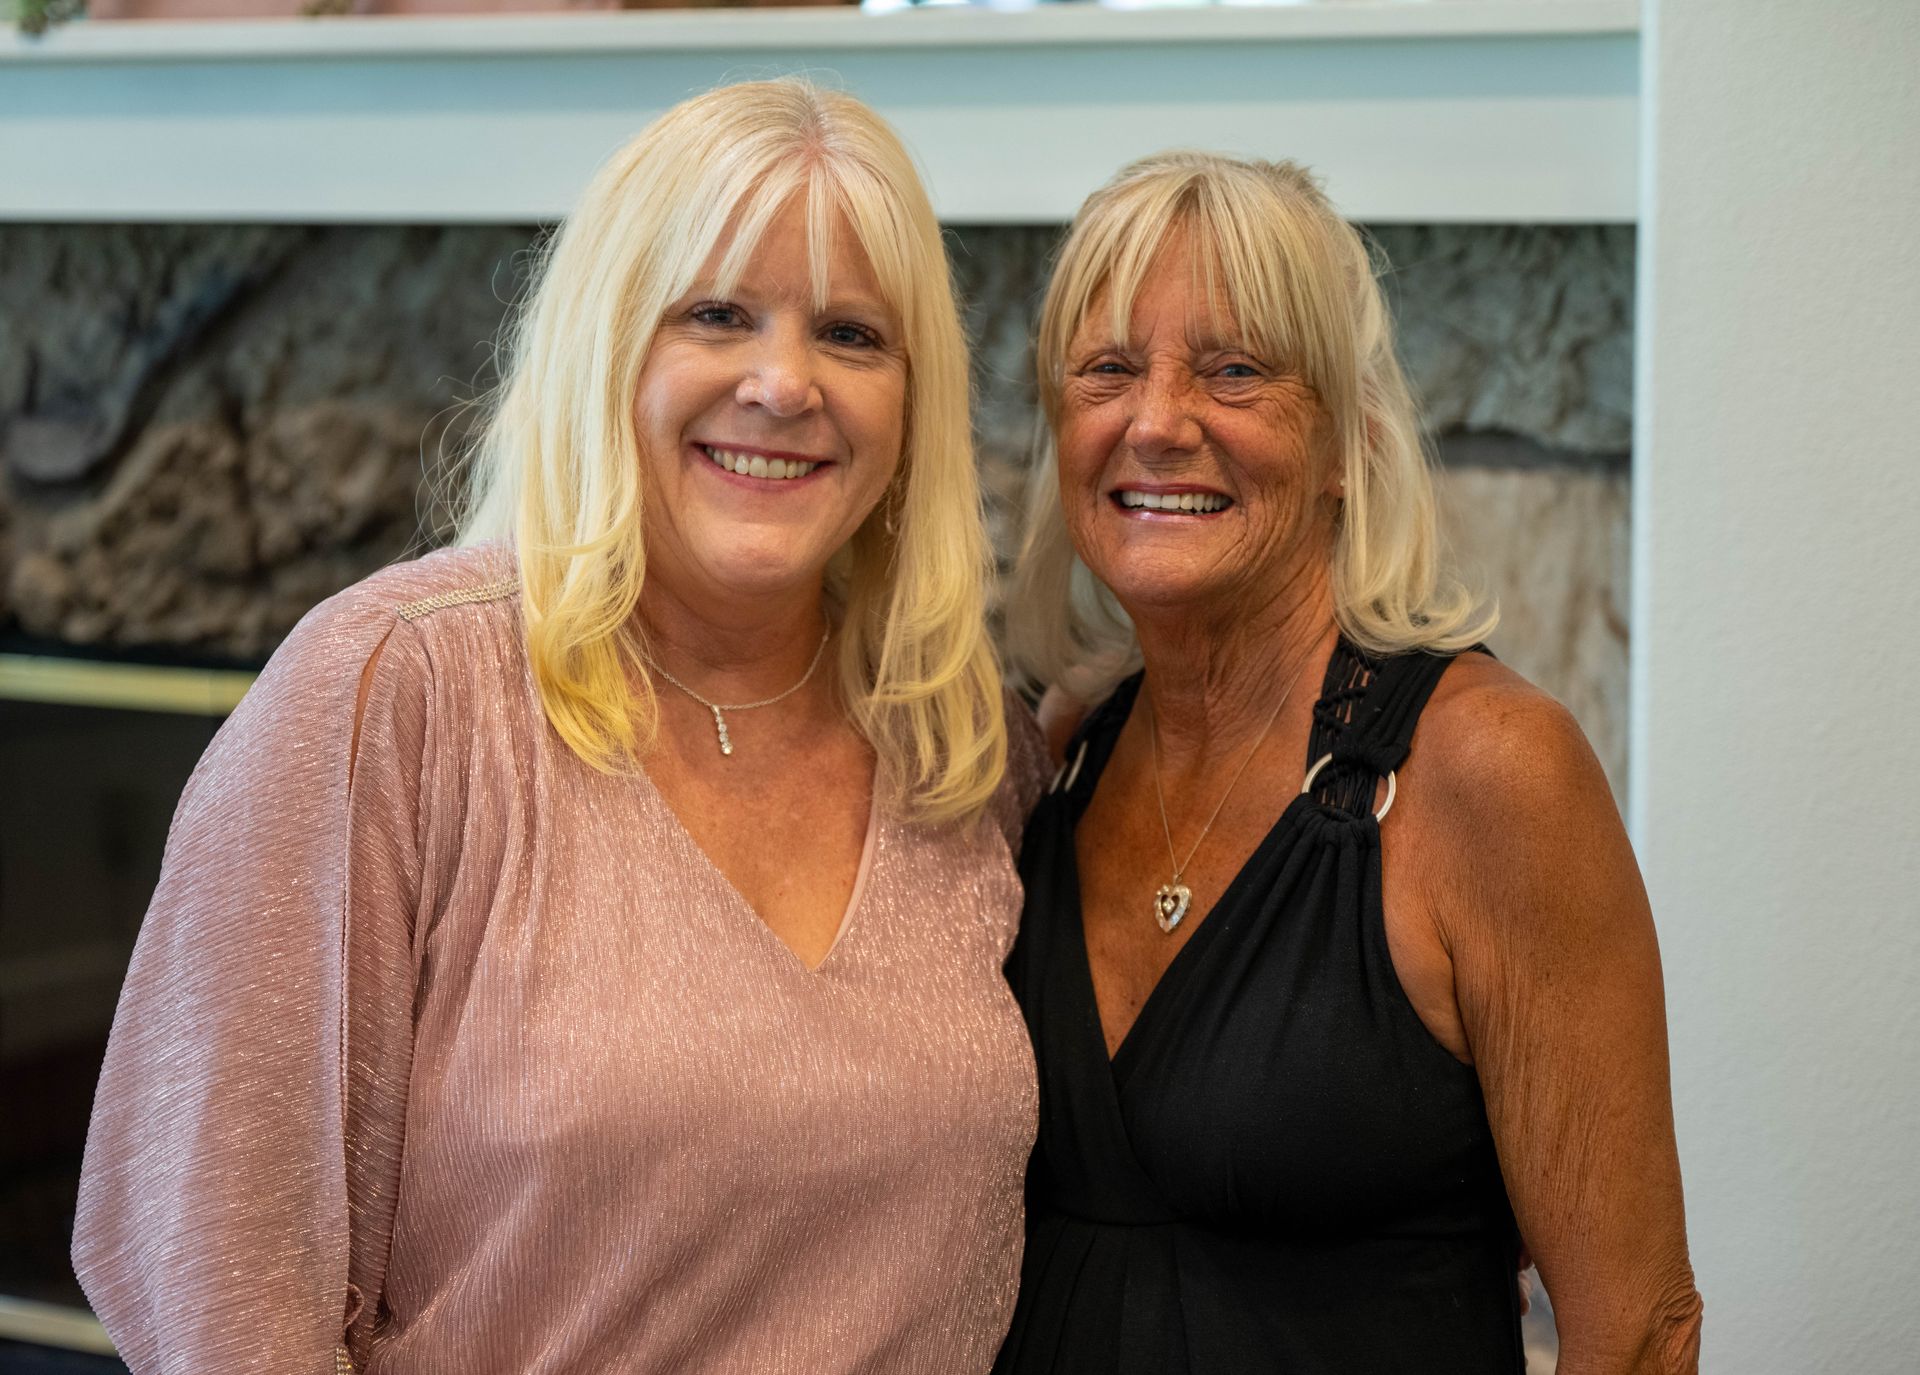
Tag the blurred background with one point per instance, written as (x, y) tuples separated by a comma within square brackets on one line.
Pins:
[(253, 254)]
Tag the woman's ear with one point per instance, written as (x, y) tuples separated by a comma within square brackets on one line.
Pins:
[(1335, 487)]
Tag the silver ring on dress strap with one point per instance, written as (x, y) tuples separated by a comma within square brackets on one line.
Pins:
[(1327, 759), (1073, 774), (1069, 773)]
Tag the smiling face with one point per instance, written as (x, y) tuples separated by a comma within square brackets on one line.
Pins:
[(769, 424), (1196, 476)]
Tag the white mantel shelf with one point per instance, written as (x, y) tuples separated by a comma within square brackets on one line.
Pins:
[(1413, 110)]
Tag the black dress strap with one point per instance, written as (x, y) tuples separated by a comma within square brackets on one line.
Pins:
[(1363, 723)]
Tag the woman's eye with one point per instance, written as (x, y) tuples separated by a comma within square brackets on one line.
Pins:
[(715, 313), (848, 335), (1107, 367), (1239, 372)]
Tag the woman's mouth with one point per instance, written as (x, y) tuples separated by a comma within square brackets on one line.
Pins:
[(1172, 503), (746, 463)]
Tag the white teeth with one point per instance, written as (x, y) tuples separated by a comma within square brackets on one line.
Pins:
[(1200, 503), (758, 465)]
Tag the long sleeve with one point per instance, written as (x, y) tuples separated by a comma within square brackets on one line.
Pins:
[(239, 1180)]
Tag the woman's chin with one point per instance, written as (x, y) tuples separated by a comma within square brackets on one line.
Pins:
[(770, 580), (744, 570), (1148, 586)]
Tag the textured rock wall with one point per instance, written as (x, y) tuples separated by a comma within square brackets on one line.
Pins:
[(206, 429)]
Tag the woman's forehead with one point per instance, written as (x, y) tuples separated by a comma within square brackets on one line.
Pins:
[(1215, 286), (805, 250), (1186, 298)]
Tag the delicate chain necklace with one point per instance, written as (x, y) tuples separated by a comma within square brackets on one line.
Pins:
[(718, 708), (1171, 902)]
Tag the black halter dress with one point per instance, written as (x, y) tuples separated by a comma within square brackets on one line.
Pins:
[(1281, 1169)]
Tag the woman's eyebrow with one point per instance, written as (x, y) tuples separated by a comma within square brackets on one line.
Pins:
[(1214, 338), (859, 303), (705, 288)]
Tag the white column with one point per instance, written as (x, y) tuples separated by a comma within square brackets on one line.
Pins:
[(1776, 681)]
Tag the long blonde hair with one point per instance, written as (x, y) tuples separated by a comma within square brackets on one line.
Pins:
[(1302, 285), (557, 471)]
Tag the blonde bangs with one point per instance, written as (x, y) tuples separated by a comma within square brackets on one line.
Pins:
[(557, 471)]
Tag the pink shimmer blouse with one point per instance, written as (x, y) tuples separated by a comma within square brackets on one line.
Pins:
[(479, 1066)]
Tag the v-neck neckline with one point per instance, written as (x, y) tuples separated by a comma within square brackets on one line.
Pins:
[(869, 847), (1120, 1061)]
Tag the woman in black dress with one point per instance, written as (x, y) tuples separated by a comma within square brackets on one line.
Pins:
[(1338, 966)]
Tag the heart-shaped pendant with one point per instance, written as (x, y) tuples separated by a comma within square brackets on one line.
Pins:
[(1170, 904)]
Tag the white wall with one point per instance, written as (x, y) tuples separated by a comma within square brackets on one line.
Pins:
[(1776, 694), (1470, 110)]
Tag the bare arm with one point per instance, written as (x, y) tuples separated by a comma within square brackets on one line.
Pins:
[(1557, 975)]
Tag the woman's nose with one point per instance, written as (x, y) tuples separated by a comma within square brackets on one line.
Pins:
[(780, 378), (1164, 422)]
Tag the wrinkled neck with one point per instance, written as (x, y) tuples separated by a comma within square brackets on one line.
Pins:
[(1215, 675)]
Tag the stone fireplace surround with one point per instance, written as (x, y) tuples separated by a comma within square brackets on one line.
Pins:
[(204, 430)]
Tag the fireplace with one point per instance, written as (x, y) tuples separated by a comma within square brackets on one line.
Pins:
[(93, 754)]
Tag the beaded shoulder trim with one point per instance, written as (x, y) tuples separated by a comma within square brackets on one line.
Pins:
[(460, 596)]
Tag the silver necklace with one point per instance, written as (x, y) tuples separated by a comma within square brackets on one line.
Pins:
[(1171, 902), (719, 709)]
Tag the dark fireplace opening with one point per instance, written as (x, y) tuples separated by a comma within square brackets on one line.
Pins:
[(87, 792)]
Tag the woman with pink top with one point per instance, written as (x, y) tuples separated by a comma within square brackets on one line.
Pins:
[(581, 952)]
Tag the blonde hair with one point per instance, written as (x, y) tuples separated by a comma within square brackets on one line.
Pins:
[(1301, 284), (557, 470)]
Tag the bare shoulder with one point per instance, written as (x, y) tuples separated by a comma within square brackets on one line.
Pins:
[(1499, 751), (1524, 848)]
